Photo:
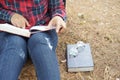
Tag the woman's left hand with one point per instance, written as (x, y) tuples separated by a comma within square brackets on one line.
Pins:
[(57, 22)]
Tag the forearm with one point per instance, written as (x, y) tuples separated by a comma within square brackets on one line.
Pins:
[(57, 8)]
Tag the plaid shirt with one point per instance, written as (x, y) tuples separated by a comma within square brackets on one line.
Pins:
[(37, 12)]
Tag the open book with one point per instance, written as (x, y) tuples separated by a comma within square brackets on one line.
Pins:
[(23, 32), (80, 60)]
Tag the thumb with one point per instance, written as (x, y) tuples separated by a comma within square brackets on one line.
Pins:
[(50, 24)]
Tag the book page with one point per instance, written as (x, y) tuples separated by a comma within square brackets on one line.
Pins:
[(23, 32), (35, 29), (14, 30)]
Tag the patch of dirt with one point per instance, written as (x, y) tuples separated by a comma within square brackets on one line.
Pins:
[(96, 22)]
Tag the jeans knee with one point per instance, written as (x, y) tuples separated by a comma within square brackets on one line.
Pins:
[(15, 45), (17, 40), (37, 39), (48, 39), (17, 53)]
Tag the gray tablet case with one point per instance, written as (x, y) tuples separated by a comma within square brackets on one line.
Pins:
[(82, 61)]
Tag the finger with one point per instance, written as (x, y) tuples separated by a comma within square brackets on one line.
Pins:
[(63, 24), (63, 27), (23, 25), (58, 28), (14, 24), (17, 25), (27, 23), (61, 30), (51, 24)]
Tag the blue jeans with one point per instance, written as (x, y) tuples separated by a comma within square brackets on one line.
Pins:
[(41, 48)]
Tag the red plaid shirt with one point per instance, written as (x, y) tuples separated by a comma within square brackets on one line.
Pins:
[(37, 12)]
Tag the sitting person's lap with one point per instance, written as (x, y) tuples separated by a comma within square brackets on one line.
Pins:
[(41, 47)]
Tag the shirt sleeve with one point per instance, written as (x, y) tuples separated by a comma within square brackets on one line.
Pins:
[(57, 8), (5, 15)]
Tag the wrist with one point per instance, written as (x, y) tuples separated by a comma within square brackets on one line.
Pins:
[(61, 16)]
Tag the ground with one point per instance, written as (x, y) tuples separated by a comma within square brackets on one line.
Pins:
[(92, 21)]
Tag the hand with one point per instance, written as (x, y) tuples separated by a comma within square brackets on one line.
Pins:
[(57, 22), (19, 21)]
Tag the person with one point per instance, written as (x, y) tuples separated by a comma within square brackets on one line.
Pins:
[(41, 46), (64, 2)]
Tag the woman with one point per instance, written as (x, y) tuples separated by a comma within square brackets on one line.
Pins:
[(41, 46)]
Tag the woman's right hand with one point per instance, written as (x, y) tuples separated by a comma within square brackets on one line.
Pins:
[(19, 21)]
